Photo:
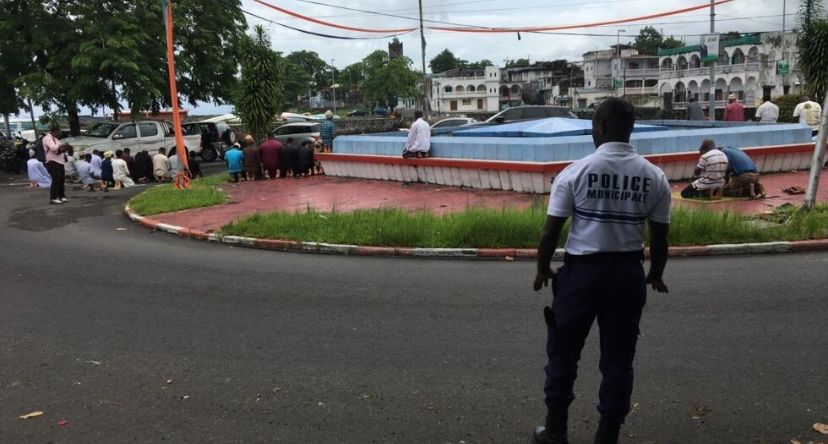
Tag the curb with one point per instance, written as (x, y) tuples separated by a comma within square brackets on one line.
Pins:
[(462, 253)]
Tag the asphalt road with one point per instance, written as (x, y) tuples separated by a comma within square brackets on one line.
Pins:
[(135, 336)]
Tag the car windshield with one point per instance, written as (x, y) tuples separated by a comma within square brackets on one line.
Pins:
[(101, 130)]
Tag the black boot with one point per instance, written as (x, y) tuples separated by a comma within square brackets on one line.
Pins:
[(608, 431), (555, 430)]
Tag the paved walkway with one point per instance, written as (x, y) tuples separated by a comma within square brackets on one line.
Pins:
[(324, 193)]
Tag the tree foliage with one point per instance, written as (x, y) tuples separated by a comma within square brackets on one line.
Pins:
[(812, 47), (445, 61), (387, 79), (103, 52), (649, 40), (519, 63), (312, 64), (258, 97)]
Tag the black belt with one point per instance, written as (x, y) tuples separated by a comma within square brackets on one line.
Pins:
[(614, 256)]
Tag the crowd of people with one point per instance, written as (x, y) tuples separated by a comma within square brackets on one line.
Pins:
[(807, 112), (273, 160)]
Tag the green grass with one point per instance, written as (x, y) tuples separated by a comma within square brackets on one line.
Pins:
[(476, 227), (166, 199)]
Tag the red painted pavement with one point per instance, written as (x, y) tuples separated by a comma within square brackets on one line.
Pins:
[(324, 193)]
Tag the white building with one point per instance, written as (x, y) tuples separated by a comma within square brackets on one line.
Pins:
[(747, 67), (467, 91)]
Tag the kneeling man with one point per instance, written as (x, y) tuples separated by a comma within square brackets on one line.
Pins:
[(742, 175), (711, 171)]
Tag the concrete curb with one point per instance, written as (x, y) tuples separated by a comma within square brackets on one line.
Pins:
[(462, 253)]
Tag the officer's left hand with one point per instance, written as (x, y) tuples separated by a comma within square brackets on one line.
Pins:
[(542, 279)]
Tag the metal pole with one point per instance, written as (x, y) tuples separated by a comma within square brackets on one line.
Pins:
[(425, 100), (711, 112), (816, 162), (333, 85), (782, 49)]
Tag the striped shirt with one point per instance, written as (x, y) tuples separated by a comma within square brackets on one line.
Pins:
[(610, 194), (714, 167)]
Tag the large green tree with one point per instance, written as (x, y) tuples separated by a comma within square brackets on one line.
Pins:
[(387, 79), (104, 52), (519, 63), (445, 61), (312, 64), (649, 40), (258, 97), (812, 47)]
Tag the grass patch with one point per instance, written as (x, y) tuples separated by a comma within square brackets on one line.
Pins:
[(166, 199), (490, 228)]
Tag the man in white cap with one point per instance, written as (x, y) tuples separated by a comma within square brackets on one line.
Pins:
[(735, 111), (326, 132)]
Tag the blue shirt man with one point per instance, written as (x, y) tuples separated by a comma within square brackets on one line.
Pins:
[(739, 161), (234, 157), (326, 131)]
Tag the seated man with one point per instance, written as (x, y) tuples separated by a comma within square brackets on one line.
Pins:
[(711, 171), (419, 138), (86, 174), (742, 175), (161, 166)]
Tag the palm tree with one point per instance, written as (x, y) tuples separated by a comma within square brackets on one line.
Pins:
[(812, 47)]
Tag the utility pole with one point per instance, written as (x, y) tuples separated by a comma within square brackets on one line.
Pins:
[(333, 84), (816, 162), (618, 57), (711, 112), (782, 49), (425, 99)]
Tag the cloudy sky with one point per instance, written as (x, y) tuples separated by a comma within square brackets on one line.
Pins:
[(738, 15)]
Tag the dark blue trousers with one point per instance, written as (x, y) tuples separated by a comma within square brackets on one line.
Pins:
[(610, 287)]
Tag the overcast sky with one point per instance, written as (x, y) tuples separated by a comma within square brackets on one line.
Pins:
[(739, 15)]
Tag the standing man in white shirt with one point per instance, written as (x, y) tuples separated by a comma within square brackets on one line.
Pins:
[(610, 195), (809, 113), (419, 137), (767, 112)]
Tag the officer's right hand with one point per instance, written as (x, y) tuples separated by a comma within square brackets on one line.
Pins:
[(542, 279)]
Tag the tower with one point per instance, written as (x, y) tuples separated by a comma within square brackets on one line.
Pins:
[(395, 49)]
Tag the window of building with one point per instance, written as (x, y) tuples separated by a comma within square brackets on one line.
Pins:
[(466, 101)]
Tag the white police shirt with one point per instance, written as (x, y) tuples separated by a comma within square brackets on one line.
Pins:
[(609, 195)]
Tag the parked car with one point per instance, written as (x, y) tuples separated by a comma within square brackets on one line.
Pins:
[(381, 111), (357, 112), (111, 136), (216, 138), (300, 131), (452, 122), (530, 112)]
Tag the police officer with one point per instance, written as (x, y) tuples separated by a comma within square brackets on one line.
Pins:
[(609, 194)]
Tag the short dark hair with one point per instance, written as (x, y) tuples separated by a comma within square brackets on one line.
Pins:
[(692, 99), (119, 153), (418, 113), (290, 140), (162, 150), (127, 151), (766, 99), (618, 115), (54, 127), (271, 135), (192, 153), (87, 157)]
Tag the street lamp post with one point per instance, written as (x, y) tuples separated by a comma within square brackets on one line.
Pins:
[(333, 85), (618, 56)]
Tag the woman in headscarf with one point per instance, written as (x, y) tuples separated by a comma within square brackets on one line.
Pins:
[(38, 176)]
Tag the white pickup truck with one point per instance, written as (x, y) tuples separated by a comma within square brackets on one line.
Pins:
[(112, 136)]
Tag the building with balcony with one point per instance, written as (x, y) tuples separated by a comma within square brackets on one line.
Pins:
[(468, 91), (628, 74), (747, 67)]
